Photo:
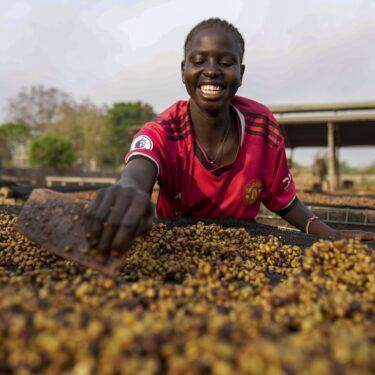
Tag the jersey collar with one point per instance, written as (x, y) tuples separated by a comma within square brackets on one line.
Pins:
[(242, 124)]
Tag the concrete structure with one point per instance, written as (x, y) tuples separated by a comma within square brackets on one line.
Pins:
[(332, 125)]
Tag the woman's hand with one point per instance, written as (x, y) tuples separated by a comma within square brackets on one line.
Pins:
[(121, 211), (358, 234), (115, 217), (299, 216)]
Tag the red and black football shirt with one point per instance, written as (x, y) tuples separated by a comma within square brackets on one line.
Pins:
[(192, 186)]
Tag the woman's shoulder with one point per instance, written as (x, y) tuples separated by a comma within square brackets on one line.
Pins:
[(173, 123), (259, 123), (175, 114), (251, 106)]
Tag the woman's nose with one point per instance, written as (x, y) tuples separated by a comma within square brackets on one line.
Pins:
[(212, 69)]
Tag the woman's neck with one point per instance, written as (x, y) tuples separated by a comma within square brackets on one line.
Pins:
[(216, 133), (210, 128)]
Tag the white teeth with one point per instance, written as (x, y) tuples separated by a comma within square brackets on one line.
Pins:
[(210, 89)]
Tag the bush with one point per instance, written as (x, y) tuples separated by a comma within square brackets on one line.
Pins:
[(51, 151)]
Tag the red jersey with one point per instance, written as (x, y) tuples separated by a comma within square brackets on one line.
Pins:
[(193, 186)]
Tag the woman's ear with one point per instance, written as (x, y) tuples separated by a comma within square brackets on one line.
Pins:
[(182, 71)]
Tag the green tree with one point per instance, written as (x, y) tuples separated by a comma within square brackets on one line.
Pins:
[(11, 136), (15, 133), (51, 151), (123, 117)]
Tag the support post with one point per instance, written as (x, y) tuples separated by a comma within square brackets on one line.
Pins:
[(332, 162), (291, 158)]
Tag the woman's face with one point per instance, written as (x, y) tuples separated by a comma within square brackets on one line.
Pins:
[(212, 69)]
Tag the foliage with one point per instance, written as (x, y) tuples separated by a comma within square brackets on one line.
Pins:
[(345, 168), (98, 136), (14, 133), (51, 151), (37, 106), (123, 116), (11, 136), (88, 128)]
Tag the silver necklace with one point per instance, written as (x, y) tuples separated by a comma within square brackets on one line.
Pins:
[(221, 147)]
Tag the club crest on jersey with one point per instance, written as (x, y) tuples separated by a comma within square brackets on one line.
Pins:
[(141, 142), (252, 191), (286, 182)]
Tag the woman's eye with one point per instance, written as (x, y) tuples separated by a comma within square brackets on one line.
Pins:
[(197, 62), (226, 63)]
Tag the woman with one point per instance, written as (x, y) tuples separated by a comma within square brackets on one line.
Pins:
[(216, 155)]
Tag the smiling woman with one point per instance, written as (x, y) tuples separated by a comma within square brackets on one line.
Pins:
[(216, 155)]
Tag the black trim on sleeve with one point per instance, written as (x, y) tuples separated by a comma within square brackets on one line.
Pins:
[(285, 210), (131, 157)]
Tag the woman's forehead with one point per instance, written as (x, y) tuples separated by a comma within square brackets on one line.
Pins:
[(213, 35)]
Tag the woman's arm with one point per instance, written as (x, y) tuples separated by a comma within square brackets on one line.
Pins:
[(121, 211), (301, 217)]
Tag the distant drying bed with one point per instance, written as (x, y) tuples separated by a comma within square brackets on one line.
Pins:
[(337, 200), (311, 198), (192, 299)]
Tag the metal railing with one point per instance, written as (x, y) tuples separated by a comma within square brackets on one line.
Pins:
[(80, 181)]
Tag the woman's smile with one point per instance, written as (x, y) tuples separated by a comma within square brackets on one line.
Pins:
[(212, 70), (211, 91)]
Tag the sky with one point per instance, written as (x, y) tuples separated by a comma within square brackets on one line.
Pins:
[(297, 51)]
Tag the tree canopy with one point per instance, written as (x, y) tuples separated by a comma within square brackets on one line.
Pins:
[(123, 116), (88, 128), (11, 136), (99, 135), (51, 151), (14, 133)]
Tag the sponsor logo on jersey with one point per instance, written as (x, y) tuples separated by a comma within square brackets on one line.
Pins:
[(141, 142), (252, 191), (286, 182)]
